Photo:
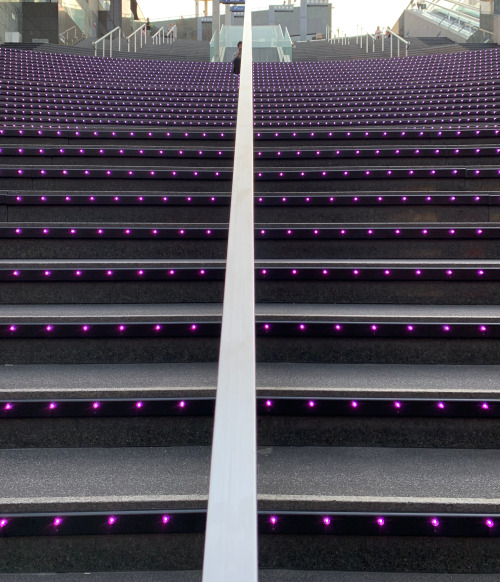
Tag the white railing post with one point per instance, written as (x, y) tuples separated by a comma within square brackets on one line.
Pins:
[(391, 46), (103, 41), (231, 532)]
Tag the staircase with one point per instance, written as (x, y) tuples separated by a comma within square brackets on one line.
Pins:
[(322, 50), (377, 267)]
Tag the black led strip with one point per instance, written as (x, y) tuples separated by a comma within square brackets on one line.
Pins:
[(271, 523), (267, 406)]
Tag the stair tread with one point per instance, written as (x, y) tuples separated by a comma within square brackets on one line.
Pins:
[(168, 380), (294, 477), (264, 576)]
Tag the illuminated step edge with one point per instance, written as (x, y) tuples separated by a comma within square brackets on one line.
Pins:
[(277, 523), (266, 406)]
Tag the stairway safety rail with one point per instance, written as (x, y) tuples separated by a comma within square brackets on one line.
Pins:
[(159, 36), (231, 530), (171, 35), (65, 36), (329, 33), (406, 43), (142, 32), (361, 34), (118, 32)]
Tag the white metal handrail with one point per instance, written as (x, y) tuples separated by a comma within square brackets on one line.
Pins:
[(231, 530), (64, 36), (171, 35), (400, 40), (159, 36), (134, 34), (103, 40), (359, 38)]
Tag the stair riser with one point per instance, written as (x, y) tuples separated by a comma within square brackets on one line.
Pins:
[(112, 249), (111, 293), (272, 431), (380, 554), (378, 351), (396, 185), (133, 185), (381, 292), (366, 214), (108, 351), (377, 249), (102, 553), (119, 214)]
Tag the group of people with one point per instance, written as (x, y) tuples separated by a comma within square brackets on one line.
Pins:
[(379, 32)]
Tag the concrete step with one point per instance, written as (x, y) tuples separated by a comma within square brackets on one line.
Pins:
[(387, 281), (114, 241), (332, 481), (440, 406), (110, 333), (264, 576)]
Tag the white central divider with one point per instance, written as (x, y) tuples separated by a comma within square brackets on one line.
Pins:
[(231, 532)]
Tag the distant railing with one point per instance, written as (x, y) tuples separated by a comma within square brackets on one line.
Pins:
[(65, 36), (362, 33), (141, 31), (103, 40), (159, 36), (171, 35), (406, 43)]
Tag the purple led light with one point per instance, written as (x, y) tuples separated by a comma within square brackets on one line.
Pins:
[(485, 406), (111, 520), (165, 519), (354, 404), (449, 273), (380, 521), (139, 404), (480, 273), (8, 406), (49, 328), (435, 522), (327, 520), (374, 327), (446, 328), (418, 272), (338, 327), (3, 522), (12, 328), (182, 404), (268, 403), (441, 405), (273, 520), (15, 273), (121, 328), (157, 327), (57, 521), (479, 231), (52, 406), (311, 404), (302, 327), (267, 327), (483, 328), (488, 522), (96, 405), (325, 272), (194, 327), (397, 404), (410, 327)]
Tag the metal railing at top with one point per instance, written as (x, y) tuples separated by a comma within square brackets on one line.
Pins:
[(171, 35), (362, 33), (142, 32), (231, 530), (72, 32), (400, 40), (159, 36), (102, 40)]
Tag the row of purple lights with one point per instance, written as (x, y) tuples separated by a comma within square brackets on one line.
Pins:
[(308, 154), (304, 273), (86, 407), (282, 134), (277, 328), (323, 199), (479, 524), (269, 233), (120, 173)]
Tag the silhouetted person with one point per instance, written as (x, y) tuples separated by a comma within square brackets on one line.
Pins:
[(237, 59)]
